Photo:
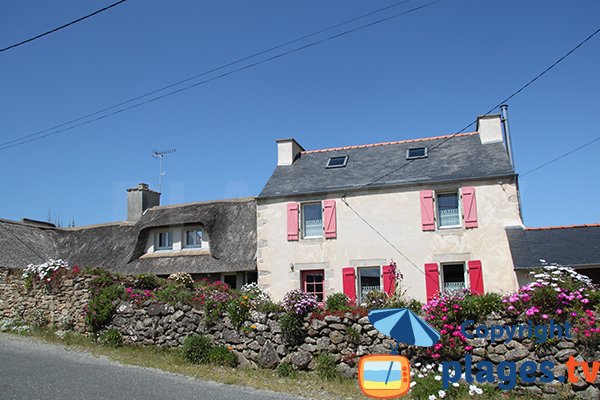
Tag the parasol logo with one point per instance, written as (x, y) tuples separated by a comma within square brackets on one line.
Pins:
[(384, 376)]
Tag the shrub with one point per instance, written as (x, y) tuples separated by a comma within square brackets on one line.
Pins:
[(375, 299), (111, 337), (147, 282), (478, 307), (299, 302), (173, 293), (182, 279), (238, 311), (102, 281), (352, 335), (337, 302), (196, 349), (47, 273), (326, 367), (292, 328), (285, 370), (269, 307), (101, 306), (220, 355), (258, 296)]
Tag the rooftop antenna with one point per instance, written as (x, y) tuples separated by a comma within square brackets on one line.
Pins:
[(161, 155)]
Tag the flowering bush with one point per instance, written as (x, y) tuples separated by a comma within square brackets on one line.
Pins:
[(47, 273), (299, 302), (443, 312), (257, 296), (182, 278), (139, 296), (213, 297)]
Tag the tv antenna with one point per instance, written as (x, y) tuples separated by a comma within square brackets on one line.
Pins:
[(161, 155)]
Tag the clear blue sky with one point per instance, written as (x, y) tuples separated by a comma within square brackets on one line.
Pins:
[(424, 74)]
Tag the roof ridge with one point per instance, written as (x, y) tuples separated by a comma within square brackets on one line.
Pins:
[(545, 228), (361, 146)]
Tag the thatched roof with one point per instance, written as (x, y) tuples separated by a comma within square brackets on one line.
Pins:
[(229, 224)]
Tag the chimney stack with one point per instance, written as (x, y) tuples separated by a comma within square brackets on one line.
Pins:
[(489, 128), (139, 199), (287, 151)]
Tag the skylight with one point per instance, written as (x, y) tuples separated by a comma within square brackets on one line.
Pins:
[(417, 152), (337, 162)]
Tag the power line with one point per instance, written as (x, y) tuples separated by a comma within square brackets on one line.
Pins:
[(62, 26), (37, 136), (513, 94), (562, 156)]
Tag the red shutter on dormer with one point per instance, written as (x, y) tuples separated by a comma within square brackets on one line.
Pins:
[(476, 276), (469, 207), (432, 280), (330, 219), (292, 221), (389, 280), (427, 210), (348, 283)]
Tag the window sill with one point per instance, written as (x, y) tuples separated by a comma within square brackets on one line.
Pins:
[(177, 253), (441, 228)]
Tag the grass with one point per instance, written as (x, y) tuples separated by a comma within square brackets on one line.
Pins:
[(302, 384)]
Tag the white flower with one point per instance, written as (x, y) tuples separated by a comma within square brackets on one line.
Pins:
[(429, 366), (413, 383), (418, 364), (455, 384), (420, 376), (473, 390), (432, 397), (437, 378), (442, 394)]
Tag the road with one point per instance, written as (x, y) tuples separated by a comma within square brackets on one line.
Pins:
[(33, 370)]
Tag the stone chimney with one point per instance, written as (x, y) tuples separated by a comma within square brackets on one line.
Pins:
[(287, 151), (139, 199), (489, 128)]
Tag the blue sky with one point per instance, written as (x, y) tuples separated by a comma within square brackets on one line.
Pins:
[(423, 74)]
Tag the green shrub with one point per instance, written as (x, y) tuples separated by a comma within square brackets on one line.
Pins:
[(478, 307), (147, 282), (326, 367), (238, 310), (102, 281), (173, 293), (268, 307), (111, 337), (375, 299), (352, 335), (196, 349), (292, 328), (220, 355), (101, 306), (285, 370), (415, 306), (337, 302)]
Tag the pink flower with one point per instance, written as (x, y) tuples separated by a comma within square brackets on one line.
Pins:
[(559, 311)]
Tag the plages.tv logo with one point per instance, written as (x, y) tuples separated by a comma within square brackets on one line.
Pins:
[(384, 376)]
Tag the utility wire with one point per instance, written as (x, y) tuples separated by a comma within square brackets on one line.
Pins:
[(62, 26), (36, 136), (513, 94), (562, 156)]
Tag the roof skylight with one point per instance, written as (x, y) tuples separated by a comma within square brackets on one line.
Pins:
[(337, 162), (417, 152)]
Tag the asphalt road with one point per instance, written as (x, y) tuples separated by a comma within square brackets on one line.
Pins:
[(32, 370)]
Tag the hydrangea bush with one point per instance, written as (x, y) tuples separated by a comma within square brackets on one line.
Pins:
[(298, 302)]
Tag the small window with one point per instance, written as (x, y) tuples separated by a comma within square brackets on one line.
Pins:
[(193, 238), (231, 281), (164, 240), (312, 220), (448, 210), (313, 282), (417, 152), (337, 162), (368, 281), (453, 278)]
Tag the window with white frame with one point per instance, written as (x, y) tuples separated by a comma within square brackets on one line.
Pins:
[(192, 238), (163, 240), (453, 277), (448, 209), (312, 220), (368, 281)]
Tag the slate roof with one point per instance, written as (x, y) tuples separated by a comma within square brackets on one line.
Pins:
[(460, 158), (573, 246), (230, 226)]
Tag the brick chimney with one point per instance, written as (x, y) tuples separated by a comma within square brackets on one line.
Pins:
[(287, 151), (139, 199)]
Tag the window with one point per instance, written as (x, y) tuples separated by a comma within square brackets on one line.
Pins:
[(448, 210), (164, 240), (193, 238), (337, 162), (417, 152), (312, 220), (368, 281), (313, 282), (231, 281), (453, 276)]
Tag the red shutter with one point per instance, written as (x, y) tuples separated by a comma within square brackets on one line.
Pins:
[(330, 222), (389, 280), (427, 211), (432, 280), (469, 207), (292, 221), (476, 276), (348, 284)]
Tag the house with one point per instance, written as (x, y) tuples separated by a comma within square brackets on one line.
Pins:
[(214, 240), (332, 220), (575, 246)]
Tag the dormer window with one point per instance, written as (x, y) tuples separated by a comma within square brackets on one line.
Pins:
[(193, 238), (337, 162), (417, 152), (164, 240)]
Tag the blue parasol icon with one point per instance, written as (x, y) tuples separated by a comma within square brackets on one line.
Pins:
[(405, 326)]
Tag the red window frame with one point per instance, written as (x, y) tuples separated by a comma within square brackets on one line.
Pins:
[(310, 287)]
